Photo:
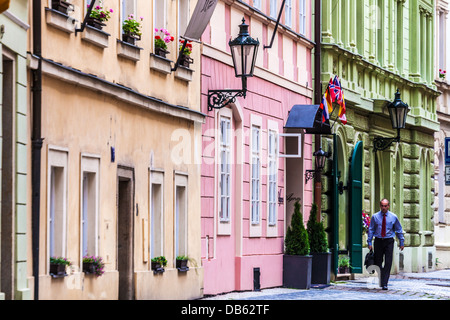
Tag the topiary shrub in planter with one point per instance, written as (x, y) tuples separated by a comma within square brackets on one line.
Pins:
[(296, 260), (321, 257)]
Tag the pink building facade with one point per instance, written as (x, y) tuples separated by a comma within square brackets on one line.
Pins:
[(252, 169)]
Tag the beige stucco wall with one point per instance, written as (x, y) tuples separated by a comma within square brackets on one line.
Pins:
[(142, 120)]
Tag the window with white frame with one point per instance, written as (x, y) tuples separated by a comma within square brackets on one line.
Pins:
[(255, 196), (225, 169), (159, 14), (288, 13), (257, 4), (272, 176), (156, 213), (127, 8), (273, 8), (57, 202), (89, 205), (181, 221), (302, 16), (183, 16)]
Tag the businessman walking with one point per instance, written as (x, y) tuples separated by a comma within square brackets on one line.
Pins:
[(383, 226)]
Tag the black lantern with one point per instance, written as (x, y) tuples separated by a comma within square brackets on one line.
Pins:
[(244, 50), (320, 156), (398, 112)]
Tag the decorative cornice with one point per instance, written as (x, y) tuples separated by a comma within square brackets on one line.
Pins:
[(122, 93)]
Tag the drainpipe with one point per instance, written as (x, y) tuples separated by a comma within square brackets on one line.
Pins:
[(36, 142), (318, 96)]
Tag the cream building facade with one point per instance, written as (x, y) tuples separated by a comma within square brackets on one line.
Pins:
[(117, 130), (13, 151), (442, 189)]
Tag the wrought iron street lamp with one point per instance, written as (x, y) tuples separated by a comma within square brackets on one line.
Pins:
[(320, 156), (244, 50), (398, 112)]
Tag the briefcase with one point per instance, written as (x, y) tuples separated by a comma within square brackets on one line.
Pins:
[(370, 259)]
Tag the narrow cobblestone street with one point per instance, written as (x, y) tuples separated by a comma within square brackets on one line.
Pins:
[(408, 286)]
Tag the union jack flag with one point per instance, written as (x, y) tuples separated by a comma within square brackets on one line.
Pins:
[(336, 89)]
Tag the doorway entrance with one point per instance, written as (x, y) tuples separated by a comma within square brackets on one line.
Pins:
[(125, 229)]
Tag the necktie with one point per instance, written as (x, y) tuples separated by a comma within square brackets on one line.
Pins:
[(383, 227)]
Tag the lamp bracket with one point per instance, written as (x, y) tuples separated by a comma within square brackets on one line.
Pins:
[(217, 99), (310, 174), (380, 144)]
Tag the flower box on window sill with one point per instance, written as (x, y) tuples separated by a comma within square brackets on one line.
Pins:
[(160, 64), (62, 6), (131, 39), (182, 265), (60, 20), (57, 270), (128, 51), (95, 36), (95, 23), (157, 268)]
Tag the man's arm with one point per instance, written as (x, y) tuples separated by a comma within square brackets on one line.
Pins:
[(399, 231), (370, 233)]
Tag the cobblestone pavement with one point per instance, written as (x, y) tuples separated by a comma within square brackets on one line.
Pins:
[(409, 286)]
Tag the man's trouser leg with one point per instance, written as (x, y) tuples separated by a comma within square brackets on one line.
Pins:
[(384, 249)]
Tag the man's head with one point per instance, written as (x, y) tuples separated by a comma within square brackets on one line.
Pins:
[(384, 205)]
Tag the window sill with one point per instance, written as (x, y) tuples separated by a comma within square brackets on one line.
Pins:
[(95, 36), (60, 20), (128, 51), (184, 73), (160, 64)]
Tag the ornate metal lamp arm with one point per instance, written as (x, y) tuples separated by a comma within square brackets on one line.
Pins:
[(380, 144), (218, 99)]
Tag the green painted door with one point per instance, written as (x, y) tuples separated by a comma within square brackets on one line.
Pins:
[(356, 198), (334, 223)]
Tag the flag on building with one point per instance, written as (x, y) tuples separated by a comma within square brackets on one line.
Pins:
[(339, 98), (326, 105), (333, 93)]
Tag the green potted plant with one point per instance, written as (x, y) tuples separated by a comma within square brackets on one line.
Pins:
[(58, 266), (131, 29), (158, 264), (93, 265), (98, 16), (344, 264), (162, 39), (186, 59), (296, 261), (321, 257)]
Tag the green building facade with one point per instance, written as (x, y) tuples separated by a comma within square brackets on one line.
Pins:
[(376, 47), (13, 150)]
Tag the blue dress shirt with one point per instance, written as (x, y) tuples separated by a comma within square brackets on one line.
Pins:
[(393, 227)]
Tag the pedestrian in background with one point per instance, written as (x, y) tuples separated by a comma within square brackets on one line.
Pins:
[(383, 226)]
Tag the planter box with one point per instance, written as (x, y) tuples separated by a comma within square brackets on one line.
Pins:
[(321, 268), (182, 265), (157, 268), (58, 270), (62, 6), (95, 23), (88, 267), (297, 271)]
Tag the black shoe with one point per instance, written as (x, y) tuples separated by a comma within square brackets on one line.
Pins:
[(384, 288)]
